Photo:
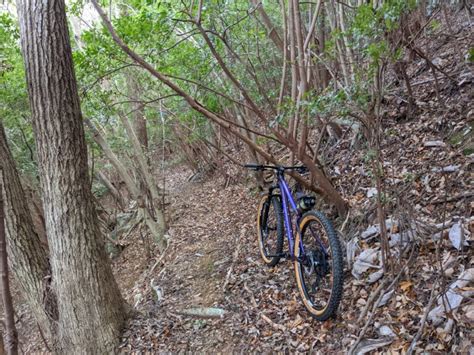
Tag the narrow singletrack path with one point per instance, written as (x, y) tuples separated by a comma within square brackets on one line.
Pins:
[(213, 261)]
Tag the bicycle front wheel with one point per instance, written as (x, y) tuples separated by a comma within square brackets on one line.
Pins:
[(318, 265), (270, 229)]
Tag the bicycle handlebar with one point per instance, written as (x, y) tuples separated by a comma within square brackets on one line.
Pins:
[(300, 168)]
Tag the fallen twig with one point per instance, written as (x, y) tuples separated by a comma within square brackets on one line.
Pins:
[(372, 297), (423, 321), (234, 257), (453, 198), (364, 329), (345, 222), (163, 254), (203, 312), (252, 296), (272, 323)]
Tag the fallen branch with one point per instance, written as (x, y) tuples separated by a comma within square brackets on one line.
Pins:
[(203, 312)]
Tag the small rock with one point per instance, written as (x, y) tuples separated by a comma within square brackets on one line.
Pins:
[(371, 192), (385, 298), (385, 330), (372, 230), (430, 144), (447, 169), (375, 276), (456, 236)]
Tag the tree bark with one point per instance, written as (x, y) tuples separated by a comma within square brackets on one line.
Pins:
[(138, 109), (28, 254), (91, 309), (11, 334)]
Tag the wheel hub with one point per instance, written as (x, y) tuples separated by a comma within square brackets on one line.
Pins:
[(315, 261)]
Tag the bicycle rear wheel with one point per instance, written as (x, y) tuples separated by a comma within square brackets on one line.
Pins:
[(270, 229), (319, 270)]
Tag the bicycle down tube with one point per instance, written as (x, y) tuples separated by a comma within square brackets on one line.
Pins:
[(286, 196)]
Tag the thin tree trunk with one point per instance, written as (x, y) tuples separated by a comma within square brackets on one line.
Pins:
[(138, 114), (271, 30), (11, 334), (135, 192), (114, 160), (150, 182), (114, 192), (91, 309)]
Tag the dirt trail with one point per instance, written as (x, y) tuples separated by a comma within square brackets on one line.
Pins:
[(212, 232)]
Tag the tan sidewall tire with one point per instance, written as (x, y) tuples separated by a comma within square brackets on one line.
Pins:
[(259, 231), (309, 305)]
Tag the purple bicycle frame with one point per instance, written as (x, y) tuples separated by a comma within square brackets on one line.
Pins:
[(287, 198)]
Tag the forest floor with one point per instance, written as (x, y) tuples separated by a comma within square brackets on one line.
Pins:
[(213, 261)]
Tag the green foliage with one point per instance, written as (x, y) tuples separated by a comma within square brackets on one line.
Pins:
[(435, 24), (470, 55), (160, 31), (14, 108)]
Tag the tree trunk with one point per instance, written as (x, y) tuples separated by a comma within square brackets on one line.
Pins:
[(138, 109), (113, 191), (11, 335), (28, 254), (91, 309), (271, 30)]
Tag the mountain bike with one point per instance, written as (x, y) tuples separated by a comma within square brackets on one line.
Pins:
[(313, 244)]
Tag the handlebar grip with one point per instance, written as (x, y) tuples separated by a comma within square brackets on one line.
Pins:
[(253, 166)]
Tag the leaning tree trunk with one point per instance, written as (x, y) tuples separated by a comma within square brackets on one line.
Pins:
[(138, 109), (91, 309), (11, 334), (28, 254)]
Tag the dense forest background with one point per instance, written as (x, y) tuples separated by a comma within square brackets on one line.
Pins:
[(154, 107)]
